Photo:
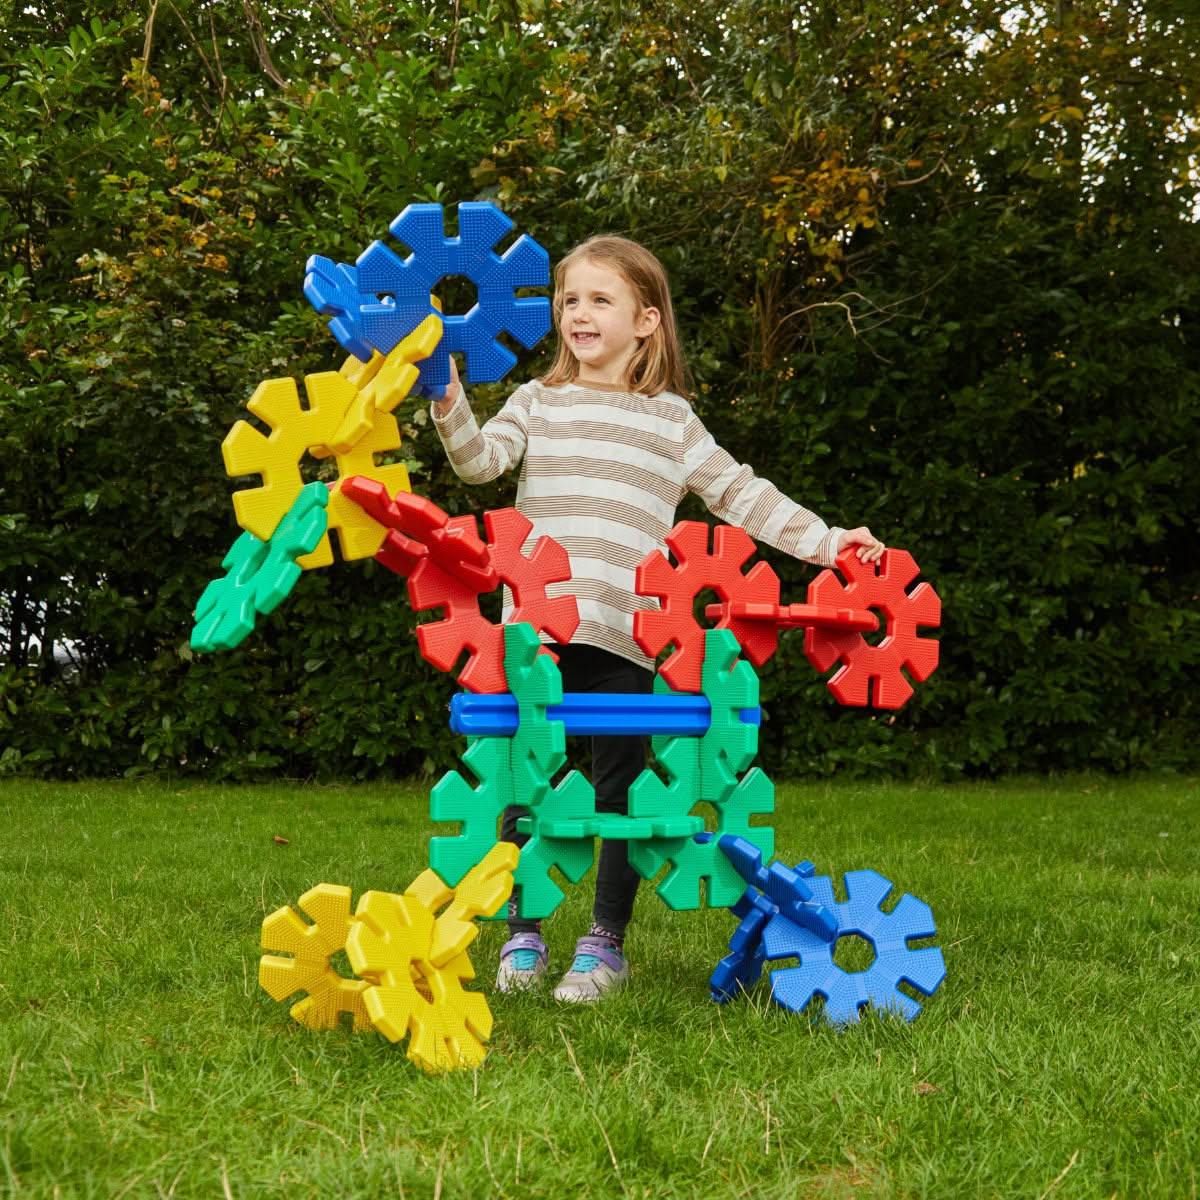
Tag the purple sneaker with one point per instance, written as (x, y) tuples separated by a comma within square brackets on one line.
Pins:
[(598, 968), (522, 962)]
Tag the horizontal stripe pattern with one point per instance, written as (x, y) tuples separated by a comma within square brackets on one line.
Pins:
[(603, 472)]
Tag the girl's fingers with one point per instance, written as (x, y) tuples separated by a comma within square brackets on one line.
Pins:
[(870, 547)]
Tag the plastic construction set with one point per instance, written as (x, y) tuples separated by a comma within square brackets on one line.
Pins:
[(410, 951)]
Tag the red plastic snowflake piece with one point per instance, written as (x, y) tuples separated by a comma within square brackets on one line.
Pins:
[(798, 616), (449, 567), (454, 544), (678, 586), (882, 586), (463, 627), (527, 575)]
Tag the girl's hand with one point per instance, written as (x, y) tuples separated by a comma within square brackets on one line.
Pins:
[(445, 402), (870, 547)]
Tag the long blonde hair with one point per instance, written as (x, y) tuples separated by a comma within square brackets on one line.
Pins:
[(658, 365)]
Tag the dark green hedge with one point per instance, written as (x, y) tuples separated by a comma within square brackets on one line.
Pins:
[(936, 273)]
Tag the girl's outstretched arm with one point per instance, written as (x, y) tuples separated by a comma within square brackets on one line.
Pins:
[(734, 493), (480, 455)]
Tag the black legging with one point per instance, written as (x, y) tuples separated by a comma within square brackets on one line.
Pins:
[(617, 760)]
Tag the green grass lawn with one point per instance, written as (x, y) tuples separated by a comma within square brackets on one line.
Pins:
[(1061, 1057)]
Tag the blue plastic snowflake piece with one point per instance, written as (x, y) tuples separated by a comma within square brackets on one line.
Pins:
[(895, 962), (786, 888), (332, 288), (378, 302), (741, 969)]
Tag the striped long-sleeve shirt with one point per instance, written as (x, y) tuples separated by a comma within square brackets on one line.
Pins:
[(602, 472)]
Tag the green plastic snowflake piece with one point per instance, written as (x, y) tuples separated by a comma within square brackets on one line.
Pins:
[(572, 802), (729, 745), (259, 575), (693, 860), (539, 747), (651, 800), (477, 809)]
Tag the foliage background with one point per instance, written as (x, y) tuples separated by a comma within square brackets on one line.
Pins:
[(938, 271)]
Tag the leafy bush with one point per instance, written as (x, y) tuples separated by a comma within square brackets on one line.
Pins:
[(938, 272)]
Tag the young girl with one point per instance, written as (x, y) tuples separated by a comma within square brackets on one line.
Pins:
[(608, 448)]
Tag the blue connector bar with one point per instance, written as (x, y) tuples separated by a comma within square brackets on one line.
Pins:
[(591, 713)]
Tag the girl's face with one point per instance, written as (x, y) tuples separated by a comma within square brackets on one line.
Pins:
[(602, 322)]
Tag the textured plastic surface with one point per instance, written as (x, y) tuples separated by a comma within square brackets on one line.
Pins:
[(383, 297), (884, 586), (477, 808), (294, 433), (456, 587), (796, 616), (589, 713), (418, 529), (678, 586), (794, 920), (538, 753), (531, 576), (786, 888), (706, 769), (729, 744), (742, 967), (538, 895), (481, 892), (259, 575), (418, 962), (382, 382), (847, 993), (699, 858), (308, 969)]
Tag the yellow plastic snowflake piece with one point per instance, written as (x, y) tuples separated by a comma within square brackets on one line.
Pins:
[(480, 892), (419, 961), (383, 382), (349, 417), (309, 969), (391, 937)]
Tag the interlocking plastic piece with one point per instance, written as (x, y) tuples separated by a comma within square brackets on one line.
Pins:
[(454, 545), (532, 575), (882, 585), (539, 749), (538, 895), (295, 432), (650, 799), (308, 969), (478, 809), (481, 892), (847, 993), (729, 744), (742, 967), (700, 857), (419, 970), (678, 586), (259, 575), (379, 300), (784, 887), (456, 586), (796, 616), (539, 746), (705, 769), (382, 382), (591, 713), (800, 918)]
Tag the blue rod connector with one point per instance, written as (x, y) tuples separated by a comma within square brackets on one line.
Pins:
[(592, 713)]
